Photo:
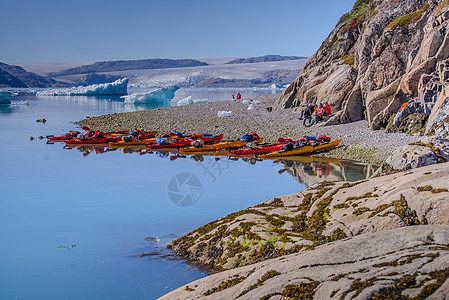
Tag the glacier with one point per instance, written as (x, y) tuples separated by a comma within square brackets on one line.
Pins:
[(160, 97), (189, 100), (118, 87)]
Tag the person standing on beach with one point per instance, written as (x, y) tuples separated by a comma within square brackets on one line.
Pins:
[(239, 96), (308, 111)]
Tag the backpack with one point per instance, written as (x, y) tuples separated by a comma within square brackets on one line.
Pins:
[(161, 141)]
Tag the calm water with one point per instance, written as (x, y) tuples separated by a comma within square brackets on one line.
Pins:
[(73, 222)]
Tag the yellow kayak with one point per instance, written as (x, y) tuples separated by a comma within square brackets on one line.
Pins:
[(218, 146), (303, 150)]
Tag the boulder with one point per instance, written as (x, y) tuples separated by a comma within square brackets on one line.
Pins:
[(428, 151)]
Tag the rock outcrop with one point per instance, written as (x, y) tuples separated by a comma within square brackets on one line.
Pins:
[(386, 237), (428, 151), (324, 212), (379, 56), (405, 263)]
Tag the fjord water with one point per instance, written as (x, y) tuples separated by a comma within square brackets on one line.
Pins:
[(73, 224)]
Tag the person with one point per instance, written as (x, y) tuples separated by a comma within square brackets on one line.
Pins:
[(308, 111), (239, 96), (321, 113), (327, 108), (233, 98)]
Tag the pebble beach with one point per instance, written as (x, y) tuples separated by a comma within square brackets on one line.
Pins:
[(358, 141)]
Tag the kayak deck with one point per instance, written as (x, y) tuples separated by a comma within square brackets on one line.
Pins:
[(303, 150), (218, 146)]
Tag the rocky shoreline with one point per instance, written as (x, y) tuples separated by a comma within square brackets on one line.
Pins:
[(387, 237), (358, 141)]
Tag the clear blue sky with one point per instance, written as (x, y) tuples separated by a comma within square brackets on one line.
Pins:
[(96, 30)]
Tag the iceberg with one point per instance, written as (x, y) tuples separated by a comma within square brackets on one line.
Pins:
[(118, 87), (160, 97), (189, 100), (4, 97)]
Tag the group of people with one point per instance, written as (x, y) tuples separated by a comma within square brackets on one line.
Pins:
[(239, 97), (322, 111)]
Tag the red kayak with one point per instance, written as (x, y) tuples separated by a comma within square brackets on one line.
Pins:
[(106, 139), (258, 150), (73, 134), (262, 149), (187, 142), (103, 140)]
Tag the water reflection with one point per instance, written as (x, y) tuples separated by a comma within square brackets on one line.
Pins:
[(312, 169), (5, 109), (306, 170)]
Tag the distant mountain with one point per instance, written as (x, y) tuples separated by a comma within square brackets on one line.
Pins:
[(18, 77), (93, 78), (124, 65), (250, 60), (8, 80)]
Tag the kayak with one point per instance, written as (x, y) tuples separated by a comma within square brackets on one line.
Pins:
[(258, 150), (186, 142), (103, 140), (121, 143), (106, 137), (73, 134), (219, 146), (303, 150)]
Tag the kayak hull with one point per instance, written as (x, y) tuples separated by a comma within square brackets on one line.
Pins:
[(258, 150), (186, 142), (218, 146), (304, 150)]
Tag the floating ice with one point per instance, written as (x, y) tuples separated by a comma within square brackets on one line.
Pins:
[(277, 86), (223, 113), (4, 97), (189, 100), (159, 97), (21, 102), (118, 87)]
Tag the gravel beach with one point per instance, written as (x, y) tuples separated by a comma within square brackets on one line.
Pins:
[(358, 141)]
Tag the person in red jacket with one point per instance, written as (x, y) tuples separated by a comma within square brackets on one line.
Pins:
[(327, 108), (321, 113)]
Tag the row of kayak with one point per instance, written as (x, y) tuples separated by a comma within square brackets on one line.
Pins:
[(248, 145)]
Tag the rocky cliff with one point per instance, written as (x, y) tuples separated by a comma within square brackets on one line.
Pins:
[(379, 55)]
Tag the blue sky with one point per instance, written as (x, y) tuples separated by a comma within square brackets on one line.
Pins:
[(95, 30)]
